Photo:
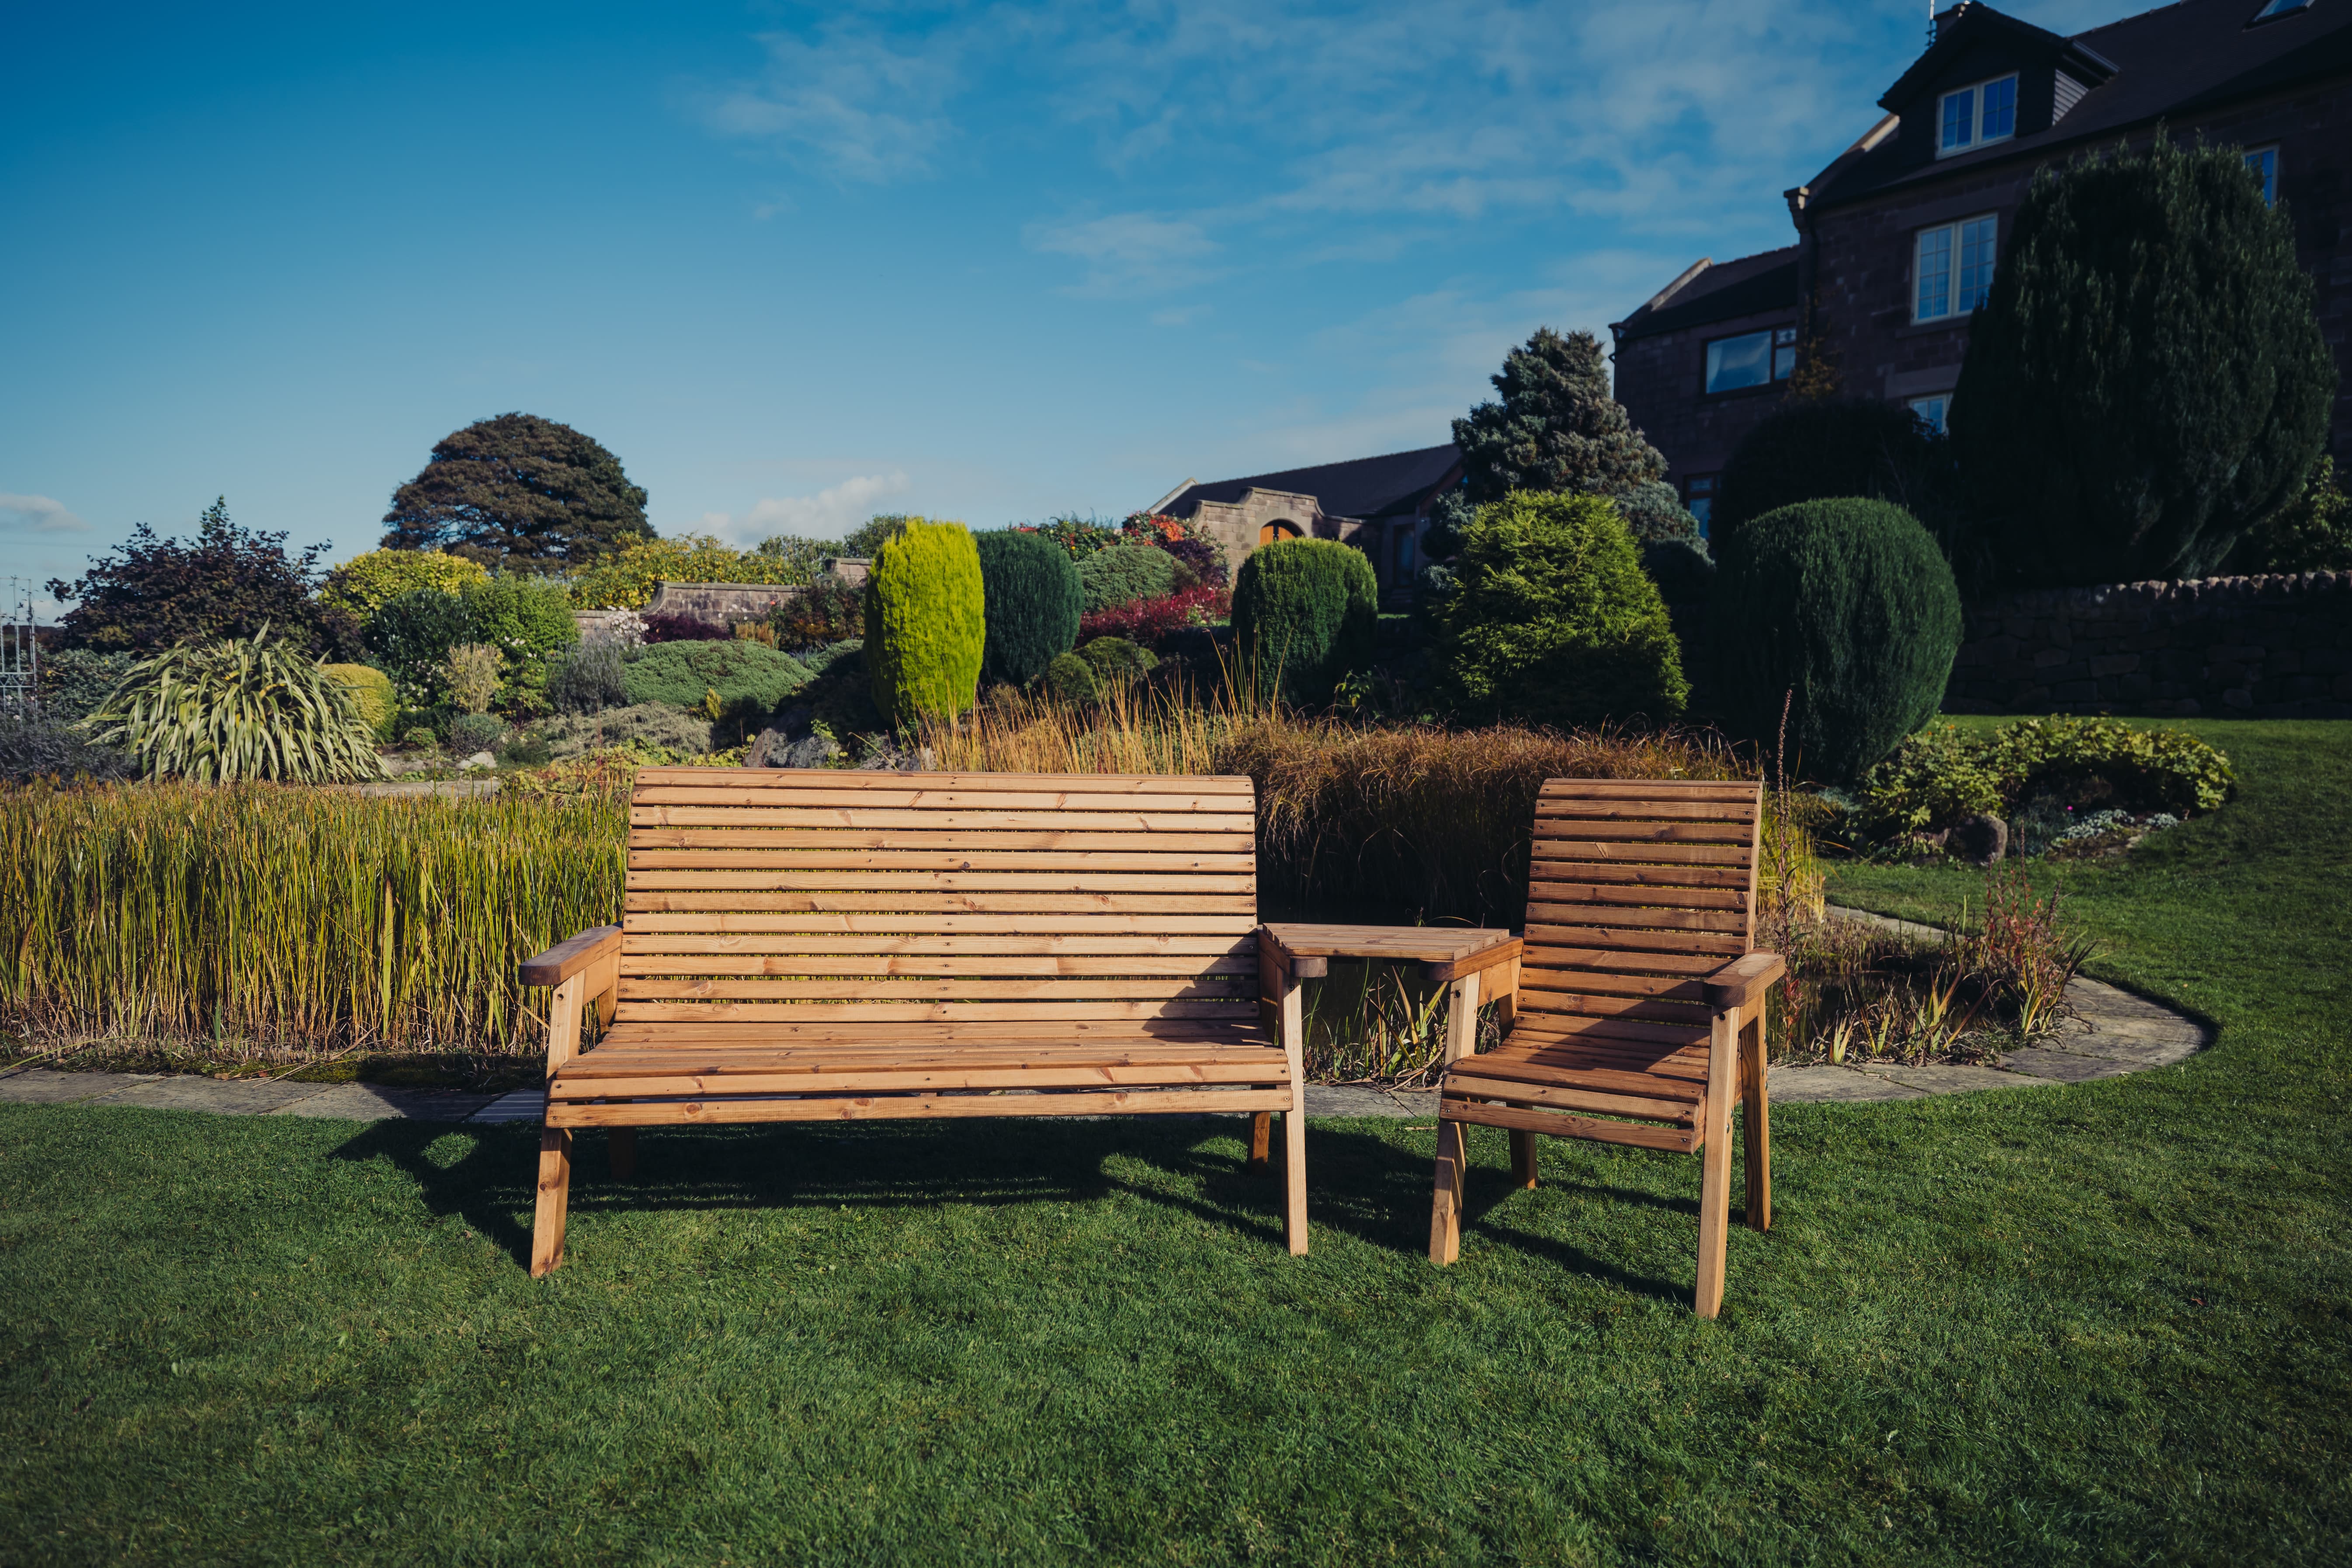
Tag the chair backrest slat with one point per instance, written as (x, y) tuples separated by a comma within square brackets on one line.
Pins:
[(1636, 888), (810, 898)]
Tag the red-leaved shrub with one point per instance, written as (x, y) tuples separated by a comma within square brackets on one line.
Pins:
[(1146, 621)]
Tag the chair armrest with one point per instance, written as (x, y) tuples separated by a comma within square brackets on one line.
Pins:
[(1736, 986), (1472, 962), (1274, 955), (569, 957)]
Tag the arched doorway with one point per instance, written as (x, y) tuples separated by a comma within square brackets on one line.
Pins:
[(1274, 532)]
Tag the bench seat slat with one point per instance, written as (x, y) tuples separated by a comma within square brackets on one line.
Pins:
[(794, 781), (715, 1111), (944, 1012), (882, 877), (1043, 965), (837, 902), (950, 988), (967, 858), (974, 819)]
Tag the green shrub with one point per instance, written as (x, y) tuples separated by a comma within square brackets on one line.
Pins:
[(371, 693), (1653, 514), (642, 726), (1072, 680), (411, 637), (421, 738), (625, 579), (1822, 449), (45, 747), (1034, 599), (926, 622), (75, 680), (1117, 661), (1944, 775), (2313, 533), (750, 677), (1306, 612), (1551, 620), (588, 678), (1844, 610), (1683, 569), (249, 708), (471, 732), (1124, 574), (366, 583), (528, 620)]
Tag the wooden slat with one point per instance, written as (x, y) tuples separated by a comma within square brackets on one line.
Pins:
[(790, 781), (1142, 928), (1548, 868), (976, 821), (1663, 789), (1627, 810), (885, 879), (1561, 1124), (839, 901), (1637, 918), (1647, 896), (915, 1107), (1586, 983), (1073, 988), (1621, 960), (1582, 848), (1537, 1028), (805, 840), (1468, 1085), (970, 858), (1646, 833), (1671, 1087), (1115, 946), (1042, 966), (631, 1012), (1271, 1068), (934, 800), (1540, 1004), (1548, 935), (658, 1050)]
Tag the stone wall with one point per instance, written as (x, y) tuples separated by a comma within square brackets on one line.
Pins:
[(2268, 648)]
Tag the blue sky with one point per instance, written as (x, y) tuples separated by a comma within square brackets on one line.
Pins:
[(799, 265)]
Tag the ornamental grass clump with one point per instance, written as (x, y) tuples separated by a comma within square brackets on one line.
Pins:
[(250, 708), (926, 626)]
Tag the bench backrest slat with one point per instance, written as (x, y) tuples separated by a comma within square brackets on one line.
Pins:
[(1635, 888), (808, 898)]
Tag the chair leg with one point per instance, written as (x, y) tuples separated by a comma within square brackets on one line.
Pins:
[(621, 1142), (1715, 1184), (1523, 1159), (1446, 1209), (1759, 1207), (1261, 1143), (555, 1197), (1294, 1182)]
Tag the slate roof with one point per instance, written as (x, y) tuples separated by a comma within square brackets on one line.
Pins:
[(1747, 287), (2176, 60), (1364, 487)]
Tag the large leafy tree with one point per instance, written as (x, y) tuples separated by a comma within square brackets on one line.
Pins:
[(1556, 427), (519, 494), (2146, 381), (155, 592)]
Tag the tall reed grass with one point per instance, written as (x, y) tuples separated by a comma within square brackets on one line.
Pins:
[(292, 918)]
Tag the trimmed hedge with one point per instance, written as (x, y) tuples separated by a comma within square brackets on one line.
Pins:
[(1306, 612), (926, 622), (750, 677), (371, 693), (1124, 574), (1847, 611), (1032, 601), (1552, 620)]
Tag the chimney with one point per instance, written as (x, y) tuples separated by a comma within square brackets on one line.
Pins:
[(1939, 21)]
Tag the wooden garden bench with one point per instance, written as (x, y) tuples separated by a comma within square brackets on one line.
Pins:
[(824, 945), (1636, 1014)]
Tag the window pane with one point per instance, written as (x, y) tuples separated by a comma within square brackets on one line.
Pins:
[(1734, 363), (1784, 360), (1930, 411), (1999, 109), (2265, 164), (1935, 274), (1959, 117), (1977, 237), (2278, 9)]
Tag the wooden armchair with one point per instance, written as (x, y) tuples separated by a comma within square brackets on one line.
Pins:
[(1636, 1014)]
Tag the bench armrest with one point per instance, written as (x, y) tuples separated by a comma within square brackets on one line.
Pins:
[(1736, 986), (570, 956), (1273, 955), (1485, 958)]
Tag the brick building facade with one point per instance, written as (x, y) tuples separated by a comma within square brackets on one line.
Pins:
[(1897, 238)]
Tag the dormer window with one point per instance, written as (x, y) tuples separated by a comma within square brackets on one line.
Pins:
[(1974, 115), (2277, 8)]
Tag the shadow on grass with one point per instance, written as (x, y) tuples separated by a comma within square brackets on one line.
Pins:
[(1360, 1183)]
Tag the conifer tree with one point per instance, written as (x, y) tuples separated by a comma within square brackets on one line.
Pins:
[(1556, 428)]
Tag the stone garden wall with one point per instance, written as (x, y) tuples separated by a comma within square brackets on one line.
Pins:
[(2271, 647)]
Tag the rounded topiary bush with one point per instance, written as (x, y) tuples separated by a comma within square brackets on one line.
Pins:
[(371, 693), (1116, 660), (1071, 679), (1306, 612), (1552, 620), (1033, 602), (926, 622), (1846, 610), (1821, 448), (750, 677), (1125, 572)]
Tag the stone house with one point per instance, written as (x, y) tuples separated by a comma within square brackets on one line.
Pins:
[(1380, 505), (1897, 238)]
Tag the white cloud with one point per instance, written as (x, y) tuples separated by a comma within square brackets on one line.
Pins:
[(848, 103), (36, 514), (828, 514), (1130, 253)]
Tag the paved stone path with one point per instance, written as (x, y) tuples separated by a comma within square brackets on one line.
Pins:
[(2113, 1033)]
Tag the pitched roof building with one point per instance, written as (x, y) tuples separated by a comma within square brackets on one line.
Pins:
[(1380, 505), (1897, 238)]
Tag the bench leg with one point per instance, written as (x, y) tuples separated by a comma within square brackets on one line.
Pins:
[(1759, 1126), (555, 1195), (1294, 1182), (1523, 1159), (1446, 1209), (1715, 1182), (621, 1142), (1261, 1142)]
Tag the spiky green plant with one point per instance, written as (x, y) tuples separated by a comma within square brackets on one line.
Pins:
[(250, 708)]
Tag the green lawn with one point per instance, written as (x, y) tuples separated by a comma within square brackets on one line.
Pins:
[(2107, 1323)]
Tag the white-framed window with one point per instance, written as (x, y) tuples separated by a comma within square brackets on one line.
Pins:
[(1952, 268), (1974, 115), (2263, 161), (1751, 359), (1699, 499), (1930, 411)]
